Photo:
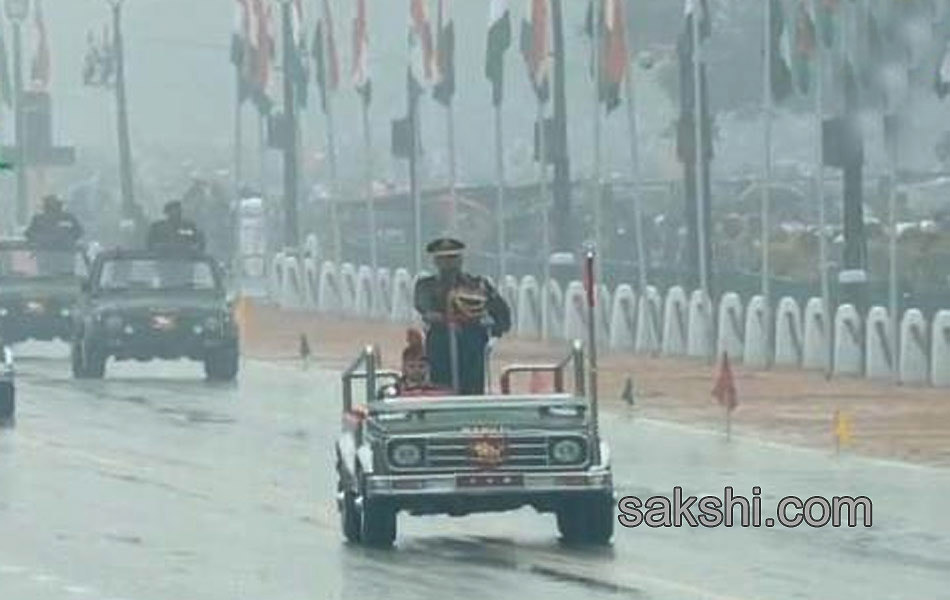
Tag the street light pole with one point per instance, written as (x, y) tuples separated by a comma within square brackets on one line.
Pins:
[(122, 114), (22, 192), (291, 235), (17, 11)]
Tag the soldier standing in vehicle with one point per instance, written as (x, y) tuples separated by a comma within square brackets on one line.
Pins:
[(175, 232), (54, 233), (54, 228), (461, 312)]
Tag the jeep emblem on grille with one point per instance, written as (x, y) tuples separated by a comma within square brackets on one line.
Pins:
[(487, 451)]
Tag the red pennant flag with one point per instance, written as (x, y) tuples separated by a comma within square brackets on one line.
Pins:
[(725, 389), (589, 278)]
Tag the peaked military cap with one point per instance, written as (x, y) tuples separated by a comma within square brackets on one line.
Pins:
[(445, 247)]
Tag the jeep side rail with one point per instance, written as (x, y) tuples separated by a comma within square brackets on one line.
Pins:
[(365, 367), (575, 356)]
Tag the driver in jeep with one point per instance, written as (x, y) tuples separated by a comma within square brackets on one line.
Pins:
[(461, 312)]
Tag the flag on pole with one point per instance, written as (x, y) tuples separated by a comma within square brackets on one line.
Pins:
[(260, 48), (499, 40), (299, 65), (827, 17), (422, 62), (805, 46), (325, 56), (613, 54), (535, 48), (589, 284), (445, 57), (942, 83), (242, 49), (781, 52), (40, 70), (360, 70)]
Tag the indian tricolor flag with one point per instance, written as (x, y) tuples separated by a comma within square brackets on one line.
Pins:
[(422, 63), (535, 47), (499, 40)]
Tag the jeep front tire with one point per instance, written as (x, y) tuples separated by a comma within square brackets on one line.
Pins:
[(222, 364), (587, 519), (7, 404)]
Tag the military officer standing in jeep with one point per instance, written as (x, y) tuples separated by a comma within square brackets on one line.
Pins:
[(461, 311), (175, 232), (52, 233)]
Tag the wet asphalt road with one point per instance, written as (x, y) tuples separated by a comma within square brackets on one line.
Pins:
[(156, 485)]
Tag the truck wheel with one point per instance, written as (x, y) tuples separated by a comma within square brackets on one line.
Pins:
[(94, 362), (77, 361), (378, 527), (7, 405), (87, 363), (586, 520), (222, 364)]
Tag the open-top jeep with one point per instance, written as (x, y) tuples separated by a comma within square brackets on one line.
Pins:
[(458, 455)]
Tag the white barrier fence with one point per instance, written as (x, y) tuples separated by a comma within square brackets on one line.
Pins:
[(672, 325)]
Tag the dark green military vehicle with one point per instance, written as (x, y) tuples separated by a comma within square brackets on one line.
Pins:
[(140, 305), (38, 289)]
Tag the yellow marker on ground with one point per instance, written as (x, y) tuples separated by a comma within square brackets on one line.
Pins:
[(842, 429)]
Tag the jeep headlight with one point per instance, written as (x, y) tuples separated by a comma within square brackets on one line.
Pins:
[(405, 454), (567, 451), (4, 311)]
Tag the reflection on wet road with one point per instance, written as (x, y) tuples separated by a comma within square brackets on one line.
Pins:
[(153, 484)]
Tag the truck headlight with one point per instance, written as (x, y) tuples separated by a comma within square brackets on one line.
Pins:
[(567, 451), (405, 454)]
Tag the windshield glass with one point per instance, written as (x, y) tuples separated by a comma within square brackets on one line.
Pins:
[(27, 263), (157, 274)]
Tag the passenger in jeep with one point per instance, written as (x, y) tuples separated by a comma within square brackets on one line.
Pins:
[(416, 370)]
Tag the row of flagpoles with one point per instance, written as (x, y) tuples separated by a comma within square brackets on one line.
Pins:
[(431, 68)]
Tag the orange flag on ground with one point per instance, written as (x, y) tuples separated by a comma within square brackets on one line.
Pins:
[(725, 389)]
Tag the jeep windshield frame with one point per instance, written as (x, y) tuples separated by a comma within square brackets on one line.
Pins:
[(154, 270), (35, 260)]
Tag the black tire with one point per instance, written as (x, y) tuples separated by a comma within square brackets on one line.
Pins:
[(78, 361), (94, 362), (378, 523), (222, 364), (587, 519), (350, 521), (7, 405)]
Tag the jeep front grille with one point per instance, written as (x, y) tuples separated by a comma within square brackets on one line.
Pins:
[(462, 454)]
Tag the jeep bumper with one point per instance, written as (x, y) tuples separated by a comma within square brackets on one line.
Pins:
[(489, 483)]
